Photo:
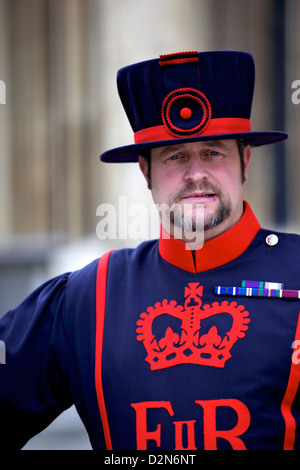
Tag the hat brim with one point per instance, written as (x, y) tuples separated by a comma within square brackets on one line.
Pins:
[(131, 153)]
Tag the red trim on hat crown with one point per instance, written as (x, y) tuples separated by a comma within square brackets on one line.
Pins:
[(215, 127), (178, 58), (178, 61)]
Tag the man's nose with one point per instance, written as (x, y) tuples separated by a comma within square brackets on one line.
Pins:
[(196, 169)]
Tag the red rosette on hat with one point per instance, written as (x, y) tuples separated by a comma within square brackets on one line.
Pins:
[(186, 112)]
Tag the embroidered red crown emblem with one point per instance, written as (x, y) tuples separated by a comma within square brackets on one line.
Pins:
[(199, 336)]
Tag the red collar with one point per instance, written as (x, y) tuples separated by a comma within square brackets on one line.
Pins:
[(216, 252)]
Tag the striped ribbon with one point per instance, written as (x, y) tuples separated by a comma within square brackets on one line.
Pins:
[(258, 289), (263, 284)]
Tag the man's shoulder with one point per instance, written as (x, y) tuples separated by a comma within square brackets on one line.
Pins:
[(144, 249), (285, 246), (274, 237), (89, 271)]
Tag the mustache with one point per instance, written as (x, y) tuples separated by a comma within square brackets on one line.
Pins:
[(191, 187)]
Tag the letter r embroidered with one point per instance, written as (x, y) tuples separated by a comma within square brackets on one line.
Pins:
[(209, 423)]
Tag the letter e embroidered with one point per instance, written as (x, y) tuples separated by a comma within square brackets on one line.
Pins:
[(142, 435)]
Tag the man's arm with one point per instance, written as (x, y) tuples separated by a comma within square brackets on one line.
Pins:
[(33, 377)]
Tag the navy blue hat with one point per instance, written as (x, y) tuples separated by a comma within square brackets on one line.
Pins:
[(191, 96)]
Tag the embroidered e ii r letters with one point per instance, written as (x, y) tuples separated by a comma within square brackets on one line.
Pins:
[(195, 340)]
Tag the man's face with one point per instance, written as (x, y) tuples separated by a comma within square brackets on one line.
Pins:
[(184, 176)]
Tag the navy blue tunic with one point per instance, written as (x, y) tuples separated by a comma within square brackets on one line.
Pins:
[(152, 358)]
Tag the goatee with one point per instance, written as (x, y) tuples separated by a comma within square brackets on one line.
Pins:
[(187, 222)]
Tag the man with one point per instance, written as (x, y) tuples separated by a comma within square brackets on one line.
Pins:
[(149, 344), (199, 173)]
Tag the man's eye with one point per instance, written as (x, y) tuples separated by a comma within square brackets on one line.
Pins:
[(214, 155), (174, 157)]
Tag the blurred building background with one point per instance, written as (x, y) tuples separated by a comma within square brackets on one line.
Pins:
[(58, 59)]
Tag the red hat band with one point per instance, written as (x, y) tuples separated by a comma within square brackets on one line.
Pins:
[(186, 112), (214, 127)]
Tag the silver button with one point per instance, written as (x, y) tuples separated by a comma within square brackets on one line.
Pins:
[(272, 239)]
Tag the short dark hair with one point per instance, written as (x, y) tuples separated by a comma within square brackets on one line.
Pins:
[(242, 144), (146, 155)]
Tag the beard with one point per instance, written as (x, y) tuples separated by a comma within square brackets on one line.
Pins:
[(188, 218)]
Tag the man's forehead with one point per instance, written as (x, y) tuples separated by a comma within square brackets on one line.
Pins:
[(222, 144)]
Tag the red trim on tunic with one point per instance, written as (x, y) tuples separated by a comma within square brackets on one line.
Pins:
[(287, 402), (215, 127), (100, 315), (215, 252)]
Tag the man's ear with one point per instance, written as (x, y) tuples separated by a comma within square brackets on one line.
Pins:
[(143, 167), (247, 158)]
